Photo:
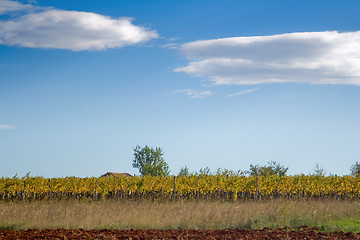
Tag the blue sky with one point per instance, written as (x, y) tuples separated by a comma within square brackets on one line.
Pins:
[(214, 83)]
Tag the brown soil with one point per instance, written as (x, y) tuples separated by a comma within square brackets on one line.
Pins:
[(285, 233)]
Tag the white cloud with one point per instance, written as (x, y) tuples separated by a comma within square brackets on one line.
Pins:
[(194, 94), (7, 127), (7, 6), (170, 46), (72, 30), (243, 92), (309, 57)]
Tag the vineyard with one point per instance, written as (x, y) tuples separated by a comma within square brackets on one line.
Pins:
[(187, 187)]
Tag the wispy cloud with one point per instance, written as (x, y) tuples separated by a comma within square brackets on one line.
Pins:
[(170, 46), (243, 92), (309, 57), (7, 127), (7, 6), (194, 94), (74, 30)]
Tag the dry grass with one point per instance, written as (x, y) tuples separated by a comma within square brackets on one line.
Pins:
[(173, 215)]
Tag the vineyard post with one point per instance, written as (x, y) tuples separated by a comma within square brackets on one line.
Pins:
[(174, 189), (198, 190), (95, 194), (24, 191), (257, 188), (49, 185), (227, 190)]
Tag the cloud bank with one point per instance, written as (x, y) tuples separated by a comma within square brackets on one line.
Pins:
[(73, 30), (309, 57)]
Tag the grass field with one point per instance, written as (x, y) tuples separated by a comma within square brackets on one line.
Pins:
[(329, 215)]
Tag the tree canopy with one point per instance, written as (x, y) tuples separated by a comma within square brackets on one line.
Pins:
[(355, 169), (273, 168), (149, 161)]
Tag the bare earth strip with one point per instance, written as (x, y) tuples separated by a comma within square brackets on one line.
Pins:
[(284, 233)]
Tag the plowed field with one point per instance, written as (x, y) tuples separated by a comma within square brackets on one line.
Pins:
[(302, 233)]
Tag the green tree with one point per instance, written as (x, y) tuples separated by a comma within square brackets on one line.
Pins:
[(319, 171), (205, 171), (184, 171), (230, 173), (273, 168), (355, 169), (149, 161)]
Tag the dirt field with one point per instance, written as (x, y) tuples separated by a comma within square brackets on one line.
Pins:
[(301, 233)]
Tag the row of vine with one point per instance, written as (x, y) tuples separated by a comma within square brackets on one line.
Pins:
[(187, 187)]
